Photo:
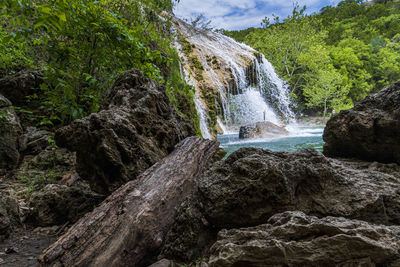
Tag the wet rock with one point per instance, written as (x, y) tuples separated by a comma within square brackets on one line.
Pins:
[(18, 86), (34, 141), (10, 131), (58, 204), (252, 185), (263, 129), (295, 239), (369, 131), (137, 128)]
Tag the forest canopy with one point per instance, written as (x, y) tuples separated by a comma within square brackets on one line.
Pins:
[(335, 57)]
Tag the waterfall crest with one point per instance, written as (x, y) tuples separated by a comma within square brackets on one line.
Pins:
[(235, 85)]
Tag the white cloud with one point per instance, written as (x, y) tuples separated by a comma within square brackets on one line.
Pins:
[(241, 14)]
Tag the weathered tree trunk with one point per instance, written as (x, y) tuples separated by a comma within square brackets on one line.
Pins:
[(129, 228)]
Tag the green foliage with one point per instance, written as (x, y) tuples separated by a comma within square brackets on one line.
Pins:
[(181, 95), (335, 57), (13, 54), (84, 45)]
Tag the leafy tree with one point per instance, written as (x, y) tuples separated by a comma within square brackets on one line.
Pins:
[(84, 45), (353, 60), (356, 43), (327, 91)]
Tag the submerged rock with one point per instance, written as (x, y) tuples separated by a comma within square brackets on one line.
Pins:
[(137, 129), (10, 131), (295, 239), (265, 129), (252, 185), (369, 131)]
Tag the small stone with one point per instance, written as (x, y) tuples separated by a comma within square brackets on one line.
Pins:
[(10, 250), (161, 263)]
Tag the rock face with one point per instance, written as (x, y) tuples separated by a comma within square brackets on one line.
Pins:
[(34, 141), (47, 167), (137, 129), (252, 185), (16, 87), (10, 131), (295, 239), (9, 215), (58, 204), (265, 129), (369, 131)]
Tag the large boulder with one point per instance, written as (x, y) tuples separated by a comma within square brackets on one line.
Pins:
[(369, 131), (295, 239), (265, 129), (10, 131), (20, 85), (253, 184), (57, 204), (137, 128)]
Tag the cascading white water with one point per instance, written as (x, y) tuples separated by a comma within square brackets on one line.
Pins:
[(248, 86)]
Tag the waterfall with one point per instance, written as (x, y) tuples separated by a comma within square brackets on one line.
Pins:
[(235, 85)]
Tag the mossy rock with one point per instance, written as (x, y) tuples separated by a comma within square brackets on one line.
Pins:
[(10, 131)]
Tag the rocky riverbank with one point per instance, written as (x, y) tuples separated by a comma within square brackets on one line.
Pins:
[(172, 200)]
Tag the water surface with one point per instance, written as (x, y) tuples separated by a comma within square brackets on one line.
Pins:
[(299, 137)]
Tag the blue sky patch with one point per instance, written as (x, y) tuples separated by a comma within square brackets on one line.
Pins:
[(242, 14)]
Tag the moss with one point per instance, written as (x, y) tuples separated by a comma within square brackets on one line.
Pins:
[(214, 60), (210, 99), (197, 64), (181, 95), (187, 48)]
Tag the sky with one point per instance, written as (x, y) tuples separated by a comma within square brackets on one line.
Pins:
[(242, 14)]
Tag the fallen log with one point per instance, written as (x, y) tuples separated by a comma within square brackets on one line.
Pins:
[(129, 227)]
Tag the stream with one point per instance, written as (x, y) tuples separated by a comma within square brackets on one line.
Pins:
[(299, 137)]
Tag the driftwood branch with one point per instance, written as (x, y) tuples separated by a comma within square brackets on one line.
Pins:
[(129, 227)]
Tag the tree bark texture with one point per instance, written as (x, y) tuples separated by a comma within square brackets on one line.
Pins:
[(129, 227)]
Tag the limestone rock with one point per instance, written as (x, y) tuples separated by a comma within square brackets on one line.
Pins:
[(16, 87), (295, 239), (34, 141), (265, 129), (9, 215), (58, 204), (47, 167), (252, 185), (10, 131), (369, 131), (137, 129)]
